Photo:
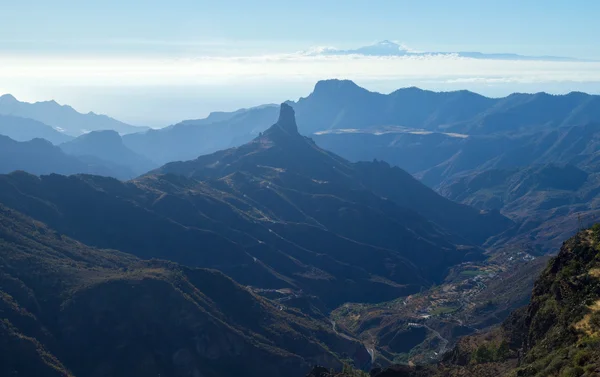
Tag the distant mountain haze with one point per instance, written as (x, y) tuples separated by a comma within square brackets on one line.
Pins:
[(239, 254), (437, 137), (282, 145), (338, 112), (39, 156), (24, 129), (344, 106), (108, 146), (277, 212), (62, 117), (192, 138)]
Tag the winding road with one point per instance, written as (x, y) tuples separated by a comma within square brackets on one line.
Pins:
[(370, 351)]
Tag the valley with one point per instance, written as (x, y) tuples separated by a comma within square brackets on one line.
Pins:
[(473, 297), (299, 189)]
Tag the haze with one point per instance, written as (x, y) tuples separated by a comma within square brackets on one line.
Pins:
[(151, 65)]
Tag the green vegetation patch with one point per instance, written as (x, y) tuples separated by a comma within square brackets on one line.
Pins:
[(444, 310)]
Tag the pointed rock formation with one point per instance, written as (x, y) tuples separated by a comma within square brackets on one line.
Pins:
[(285, 123), (287, 118)]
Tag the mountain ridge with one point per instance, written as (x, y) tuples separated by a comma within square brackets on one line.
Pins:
[(341, 104), (63, 117), (282, 212)]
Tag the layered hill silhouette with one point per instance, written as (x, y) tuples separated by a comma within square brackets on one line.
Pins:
[(72, 310), (281, 149), (278, 212), (23, 129), (190, 139), (108, 146), (109, 277), (279, 215), (440, 138), (434, 135), (63, 117), (345, 105), (39, 156), (438, 158)]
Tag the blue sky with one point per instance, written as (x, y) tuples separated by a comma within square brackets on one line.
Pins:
[(182, 59), (527, 27)]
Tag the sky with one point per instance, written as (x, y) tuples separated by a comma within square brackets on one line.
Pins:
[(156, 62)]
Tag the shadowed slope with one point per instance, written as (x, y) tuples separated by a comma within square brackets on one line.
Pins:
[(72, 310)]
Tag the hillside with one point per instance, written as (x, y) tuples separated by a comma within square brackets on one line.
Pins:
[(549, 201), (72, 310)]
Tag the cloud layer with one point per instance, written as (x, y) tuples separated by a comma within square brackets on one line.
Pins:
[(425, 69), (392, 48), (157, 90)]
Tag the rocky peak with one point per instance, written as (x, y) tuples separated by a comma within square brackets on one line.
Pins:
[(287, 118), (286, 129)]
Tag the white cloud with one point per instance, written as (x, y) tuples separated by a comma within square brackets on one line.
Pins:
[(213, 70)]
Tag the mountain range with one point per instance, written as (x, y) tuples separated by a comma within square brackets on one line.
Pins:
[(339, 112), (26, 129), (62, 118), (297, 232), (301, 229), (437, 137), (282, 212)]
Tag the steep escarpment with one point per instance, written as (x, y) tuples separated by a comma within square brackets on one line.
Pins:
[(557, 334)]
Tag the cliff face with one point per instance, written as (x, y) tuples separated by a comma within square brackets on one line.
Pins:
[(563, 319), (557, 334)]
